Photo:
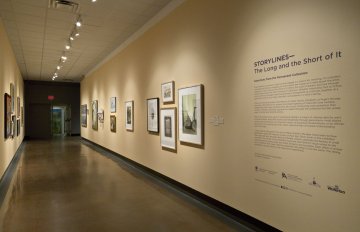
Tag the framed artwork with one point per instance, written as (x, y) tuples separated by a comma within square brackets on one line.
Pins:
[(113, 105), (13, 125), (101, 116), (168, 128), (83, 115), (22, 116), (167, 92), (129, 115), (191, 114), (153, 115), (94, 114), (7, 115), (112, 123), (17, 127), (18, 108), (12, 95)]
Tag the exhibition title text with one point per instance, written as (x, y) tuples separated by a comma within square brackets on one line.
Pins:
[(284, 61)]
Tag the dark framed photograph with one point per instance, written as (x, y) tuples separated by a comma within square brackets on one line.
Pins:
[(153, 115), (129, 115), (17, 127), (83, 113), (168, 92), (191, 114), (168, 128), (7, 115), (112, 123), (113, 105), (22, 116), (94, 114)]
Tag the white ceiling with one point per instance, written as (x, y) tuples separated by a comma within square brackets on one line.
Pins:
[(38, 34)]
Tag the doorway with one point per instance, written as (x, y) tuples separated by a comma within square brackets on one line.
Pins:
[(61, 120)]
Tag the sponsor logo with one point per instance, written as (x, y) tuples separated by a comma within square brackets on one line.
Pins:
[(335, 188), (314, 183)]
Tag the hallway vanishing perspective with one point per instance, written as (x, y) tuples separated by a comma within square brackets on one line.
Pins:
[(65, 185)]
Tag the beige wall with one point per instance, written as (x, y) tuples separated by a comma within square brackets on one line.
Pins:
[(9, 73), (215, 43)]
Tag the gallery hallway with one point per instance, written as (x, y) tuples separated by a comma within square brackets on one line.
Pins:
[(67, 185)]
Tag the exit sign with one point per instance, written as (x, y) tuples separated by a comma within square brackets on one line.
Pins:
[(51, 97)]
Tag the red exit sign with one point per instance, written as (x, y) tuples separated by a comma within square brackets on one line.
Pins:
[(51, 97)]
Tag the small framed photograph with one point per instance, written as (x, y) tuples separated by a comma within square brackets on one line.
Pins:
[(168, 128), (129, 115), (112, 123), (83, 115), (153, 115), (168, 92), (113, 105), (94, 114), (191, 114), (101, 116)]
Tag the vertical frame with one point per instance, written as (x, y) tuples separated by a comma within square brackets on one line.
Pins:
[(168, 92), (83, 112), (153, 115), (94, 115), (129, 115), (113, 105), (7, 115), (191, 115), (12, 95), (168, 128), (113, 123)]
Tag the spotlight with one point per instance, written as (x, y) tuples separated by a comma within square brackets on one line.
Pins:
[(63, 58), (58, 67), (67, 46), (93, 0), (77, 34), (71, 37), (78, 21)]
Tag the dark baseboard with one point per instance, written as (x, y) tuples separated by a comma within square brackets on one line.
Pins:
[(227, 210), (9, 173), (72, 135)]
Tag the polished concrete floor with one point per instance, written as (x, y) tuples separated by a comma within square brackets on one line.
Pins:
[(65, 185)]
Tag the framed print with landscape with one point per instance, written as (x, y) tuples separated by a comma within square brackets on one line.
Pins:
[(129, 115), (168, 128), (167, 92), (83, 113), (112, 123), (191, 114), (153, 115), (7, 115), (113, 105), (94, 114)]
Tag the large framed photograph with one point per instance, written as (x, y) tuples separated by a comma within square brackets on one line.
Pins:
[(153, 115), (191, 114), (168, 128), (112, 123), (83, 115), (94, 114), (129, 115), (168, 92), (101, 116), (7, 115), (113, 105)]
